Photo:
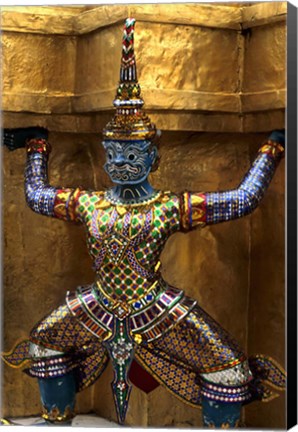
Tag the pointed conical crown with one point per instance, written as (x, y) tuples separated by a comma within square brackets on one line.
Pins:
[(129, 122)]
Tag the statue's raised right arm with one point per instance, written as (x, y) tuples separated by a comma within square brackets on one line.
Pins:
[(41, 197)]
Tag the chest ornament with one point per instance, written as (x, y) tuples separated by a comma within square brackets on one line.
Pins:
[(116, 246)]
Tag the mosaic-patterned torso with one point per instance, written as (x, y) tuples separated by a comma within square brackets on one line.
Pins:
[(125, 242)]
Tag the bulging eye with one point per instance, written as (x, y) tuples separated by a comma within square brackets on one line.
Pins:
[(110, 155), (131, 156)]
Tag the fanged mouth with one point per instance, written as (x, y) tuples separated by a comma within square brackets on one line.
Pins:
[(124, 168)]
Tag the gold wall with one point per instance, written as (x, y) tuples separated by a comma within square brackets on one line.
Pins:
[(213, 79)]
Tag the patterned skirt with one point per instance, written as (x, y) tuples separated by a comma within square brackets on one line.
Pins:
[(178, 360)]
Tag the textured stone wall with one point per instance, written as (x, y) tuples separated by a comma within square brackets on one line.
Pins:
[(213, 79), (201, 88)]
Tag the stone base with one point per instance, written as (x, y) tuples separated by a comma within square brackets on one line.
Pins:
[(88, 420)]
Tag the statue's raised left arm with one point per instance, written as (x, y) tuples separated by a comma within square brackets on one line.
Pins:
[(206, 208)]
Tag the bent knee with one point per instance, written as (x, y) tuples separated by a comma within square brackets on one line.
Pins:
[(233, 376), (39, 351)]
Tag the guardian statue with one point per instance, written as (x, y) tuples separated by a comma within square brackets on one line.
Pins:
[(130, 313)]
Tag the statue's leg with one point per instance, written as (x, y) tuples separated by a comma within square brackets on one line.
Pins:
[(203, 364), (56, 381), (64, 357), (223, 393), (220, 414)]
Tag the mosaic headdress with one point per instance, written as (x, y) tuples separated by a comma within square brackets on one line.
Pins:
[(129, 122)]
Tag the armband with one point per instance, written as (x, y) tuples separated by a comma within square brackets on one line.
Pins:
[(38, 145), (273, 149)]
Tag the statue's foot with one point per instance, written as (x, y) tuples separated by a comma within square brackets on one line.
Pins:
[(43, 422), (48, 423)]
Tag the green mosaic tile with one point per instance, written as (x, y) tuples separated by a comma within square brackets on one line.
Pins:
[(140, 291), (129, 292), (118, 291), (109, 290), (135, 221), (119, 225), (134, 231)]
